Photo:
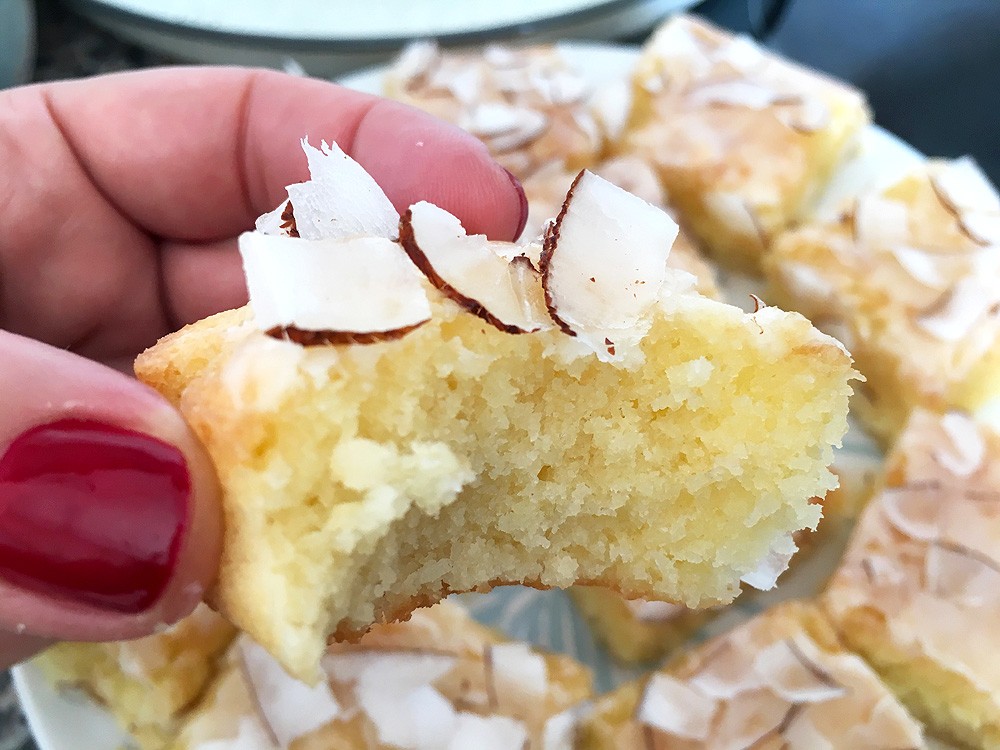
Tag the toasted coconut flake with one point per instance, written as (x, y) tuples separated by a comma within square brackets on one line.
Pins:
[(251, 734), (472, 271), (889, 725), (487, 733), (645, 610), (735, 93), (634, 175), (806, 117), (519, 668), (727, 672), (981, 228), (957, 572), (290, 708), (339, 201), (791, 669), (968, 448), (914, 513), (363, 289), (765, 576), (611, 104), (416, 60), (919, 264), (748, 718), (622, 243), (962, 187), (559, 732), (879, 222), (741, 52), (732, 211), (407, 670), (955, 316), (505, 127), (561, 87), (676, 708)]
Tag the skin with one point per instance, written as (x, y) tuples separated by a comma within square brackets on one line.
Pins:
[(121, 198)]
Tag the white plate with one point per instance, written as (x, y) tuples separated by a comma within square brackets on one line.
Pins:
[(331, 37), (547, 618)]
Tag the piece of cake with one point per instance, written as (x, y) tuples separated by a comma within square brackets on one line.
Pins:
[(528, 105), (908, 277), (918, 592), (147, 684), (572, 413), (742, 139), (779, 681), (546, 191), (437, 682), (637, 630)]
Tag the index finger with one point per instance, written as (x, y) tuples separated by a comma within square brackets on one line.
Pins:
[(195, 154)]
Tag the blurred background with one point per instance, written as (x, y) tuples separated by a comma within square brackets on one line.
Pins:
[(931, 68)]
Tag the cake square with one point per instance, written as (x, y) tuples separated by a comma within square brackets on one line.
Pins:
[(743, 140), (438, 681), (527, 104), (394, 422), (149, 683), (908, 277), (781, 680), (918, 591)]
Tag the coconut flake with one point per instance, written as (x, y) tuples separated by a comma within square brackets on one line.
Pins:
[(888, 725), (791, 670), (807, 116), (733, 212), (727, 672), (340, 200), (519, 668), (406, 670), (359, 290), (765, 576), (504, 127), (736, 93), (603, 265), (981, 228), (291, 708), (488, 733), (962, 187), (808, 283), (960, 309), (473, 271), (250, 735), (559, 732), (645, 610), (416, 60), (880, 222), (962, 574), (749, 718), (410, 719), (919, 264), (913, 512), (676, 708), (634, 175), (611, 105), (967, 447), (561, 87), (741, 52)]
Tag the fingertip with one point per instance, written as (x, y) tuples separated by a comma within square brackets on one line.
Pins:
[(111, 509), (415, 157)]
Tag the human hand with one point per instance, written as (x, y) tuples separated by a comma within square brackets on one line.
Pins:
[(121, 199)]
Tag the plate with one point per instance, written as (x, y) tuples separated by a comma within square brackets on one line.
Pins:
[(63, 721), (331, 37)]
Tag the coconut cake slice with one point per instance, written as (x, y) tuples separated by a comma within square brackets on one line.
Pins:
[(393, 422)]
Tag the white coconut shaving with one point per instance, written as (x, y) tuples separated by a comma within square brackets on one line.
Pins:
[(364, 285), (765, 576), (968, 447), (291, 708), (339, 201), (674, 707), (604, 265), (519, 669)]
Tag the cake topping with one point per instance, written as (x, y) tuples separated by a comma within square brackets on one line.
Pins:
[(765, 576), (289, 708), (676, 708), (653, 611), (339, 201), (967, 193), (360, 290), (603, 265), (769, 679), (473, 272)]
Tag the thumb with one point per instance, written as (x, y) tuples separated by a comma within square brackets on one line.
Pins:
[(109, 507)]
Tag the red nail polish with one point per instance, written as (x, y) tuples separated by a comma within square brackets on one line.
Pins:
[(92, 513), (524, 203)]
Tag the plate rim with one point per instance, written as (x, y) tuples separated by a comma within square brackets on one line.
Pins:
[(110, 12)]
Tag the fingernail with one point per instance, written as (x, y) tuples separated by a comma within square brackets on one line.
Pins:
[(524, 202), (92, 513)]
